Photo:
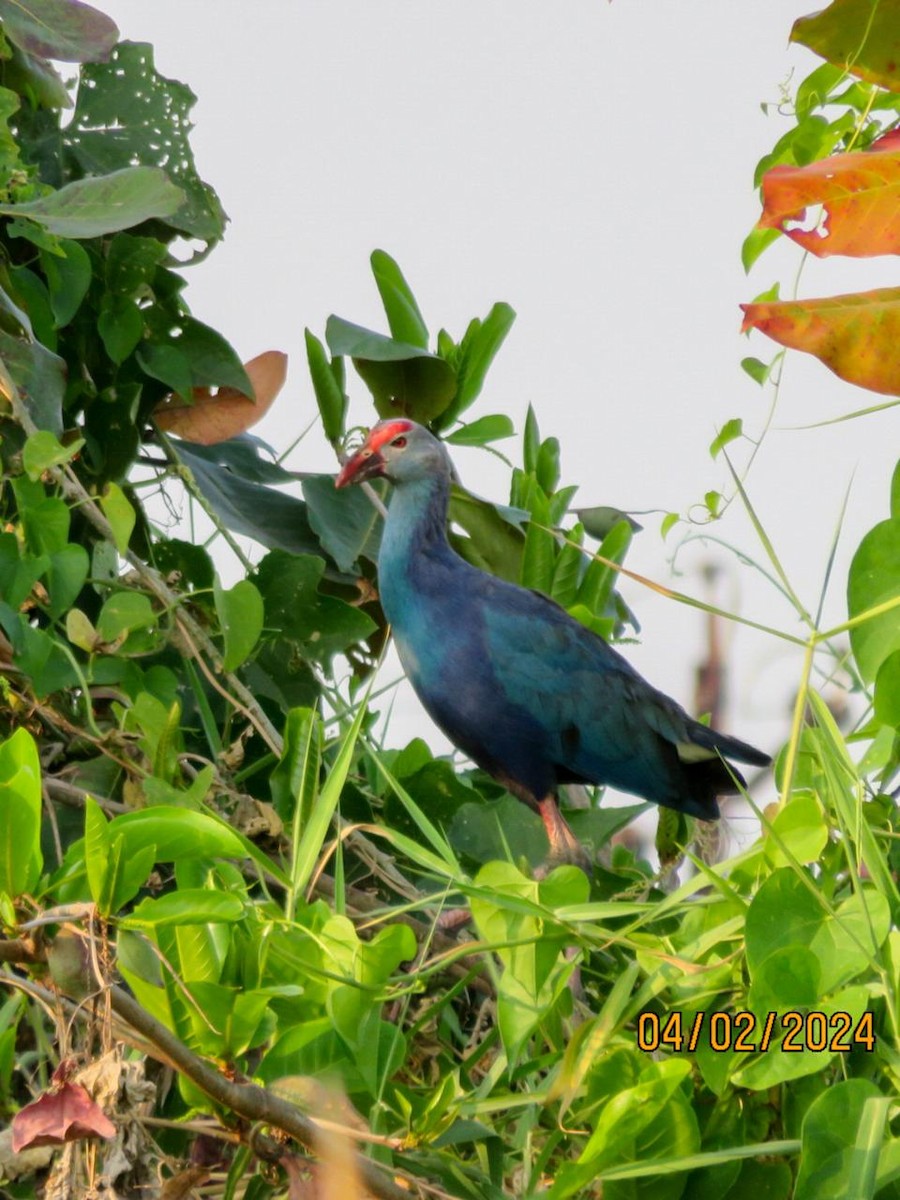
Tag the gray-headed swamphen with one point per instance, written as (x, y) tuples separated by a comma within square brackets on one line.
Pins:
[(524, 690)]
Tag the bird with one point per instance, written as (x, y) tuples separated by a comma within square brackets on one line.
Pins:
[(524, 690)]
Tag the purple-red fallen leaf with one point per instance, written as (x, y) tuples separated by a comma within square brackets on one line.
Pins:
[(215, 417), (856, 335), (63, 1115), (860, 193)]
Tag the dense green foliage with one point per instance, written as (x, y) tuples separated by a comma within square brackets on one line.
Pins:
[(193, 799)]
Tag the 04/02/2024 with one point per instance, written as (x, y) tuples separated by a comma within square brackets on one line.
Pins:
[(792, 1032)]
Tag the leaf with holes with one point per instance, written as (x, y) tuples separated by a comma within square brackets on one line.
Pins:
[(860, 195), (127, 113), (855, 335)]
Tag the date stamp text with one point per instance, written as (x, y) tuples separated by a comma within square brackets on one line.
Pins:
[(791, 1032)]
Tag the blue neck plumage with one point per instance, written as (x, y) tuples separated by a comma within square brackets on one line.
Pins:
[(415, 531)]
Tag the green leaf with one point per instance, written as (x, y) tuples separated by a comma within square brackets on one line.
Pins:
[(43, 450), (570, 566), (599, 580), (191, 355), (758, 371), (323, 625), (330, 395), (96, 850), (846, 944), (799, 829), (528, 941), (346, 522), (68, 278), (895, 492), (122, 613), (477, 351), (494, 544), (38, 655), (127, 113), (492, 428), (498, 830), (66, 576), (89, 208), (404, 318), (405, 380), (651, 1113), (315, 829), (46, 519), (713, 502), (669, 521), (874, 580), (119, 511), (114, 876), (842, 1133), (177, 834), (58, 29), (21, 859), (39, 376), (788, 979), (274, 519), (186, 906), (547, 466), (295, 779), (887, 691), (600, 520), (784, 913), (756, 243), (239, 1017), (240, 611), (730, 430)]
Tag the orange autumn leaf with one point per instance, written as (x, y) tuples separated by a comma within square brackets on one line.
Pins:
[(856, 335), (214, 417), (860, 193)]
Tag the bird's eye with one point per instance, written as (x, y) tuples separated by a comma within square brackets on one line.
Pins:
[(399, 442)]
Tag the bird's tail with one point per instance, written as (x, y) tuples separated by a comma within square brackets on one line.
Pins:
[(729, 747)]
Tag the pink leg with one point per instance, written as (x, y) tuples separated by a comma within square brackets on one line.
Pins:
[(564, 846)]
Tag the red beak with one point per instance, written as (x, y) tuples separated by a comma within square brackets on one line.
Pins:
[(366, 463)]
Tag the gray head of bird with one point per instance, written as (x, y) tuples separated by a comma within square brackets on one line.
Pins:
[(399, 450)]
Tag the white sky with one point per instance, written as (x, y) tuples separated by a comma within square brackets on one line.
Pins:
[(589, 163)]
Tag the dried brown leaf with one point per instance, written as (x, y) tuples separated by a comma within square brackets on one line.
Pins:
[(215, 417)]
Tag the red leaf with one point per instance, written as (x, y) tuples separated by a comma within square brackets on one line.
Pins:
[(216, 416), (856, 336), (860, 193), (63, 1115)]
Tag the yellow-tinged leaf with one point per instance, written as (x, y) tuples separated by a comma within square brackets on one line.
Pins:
[(855, 335), (118, 510)]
